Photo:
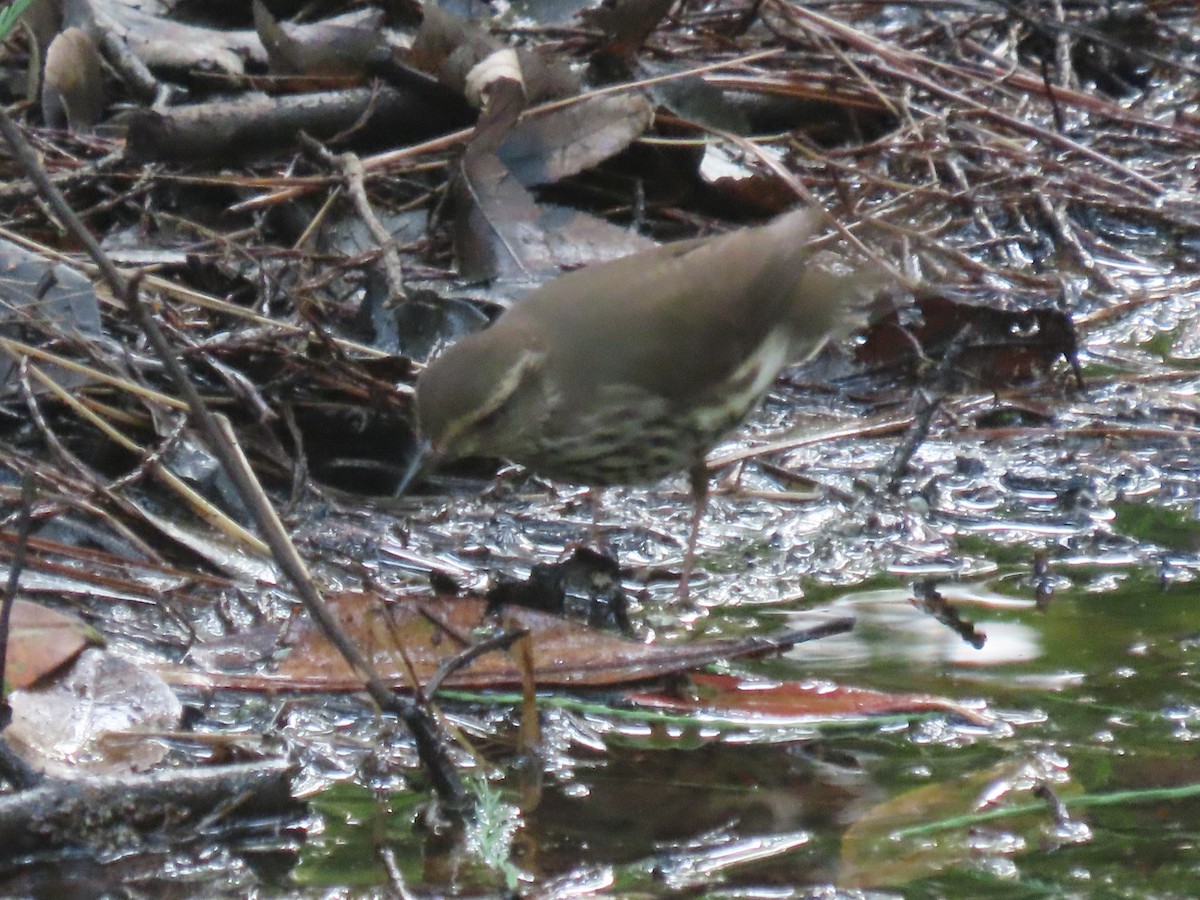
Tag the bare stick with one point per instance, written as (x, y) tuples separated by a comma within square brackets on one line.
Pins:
[(13, 767), (355, 176)]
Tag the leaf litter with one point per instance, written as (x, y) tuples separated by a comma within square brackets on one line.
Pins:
[(1047, 218)]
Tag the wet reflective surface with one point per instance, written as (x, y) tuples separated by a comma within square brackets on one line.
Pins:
[(1070, 543), (1061, 523)]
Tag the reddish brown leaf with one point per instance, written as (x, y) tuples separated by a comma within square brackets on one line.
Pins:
[(797, 700), (1003, 346), (563, 653), (41, 640)]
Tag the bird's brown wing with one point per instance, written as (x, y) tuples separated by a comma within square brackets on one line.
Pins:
[(715, 300)]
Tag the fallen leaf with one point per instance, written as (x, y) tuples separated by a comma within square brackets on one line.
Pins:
[(695, 100), (164, 44), (73, 82), (626, 23), (550, 146), (564, 653), (41, 297), (80, 723), (41, 640), (320, 49), (449, 46), (500, 230), (1003, 346), (787, 702), (877, 849)]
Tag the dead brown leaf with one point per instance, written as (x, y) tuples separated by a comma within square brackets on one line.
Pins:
[(41, 640), (501, 231), (73, 83), (790, 700), (1002, 347), (320, 49), (545, 148), (563, 653)]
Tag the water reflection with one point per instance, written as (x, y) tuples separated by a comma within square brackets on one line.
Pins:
[(890, 629)]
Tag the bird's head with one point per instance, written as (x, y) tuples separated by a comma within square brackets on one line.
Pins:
[(482, 397)]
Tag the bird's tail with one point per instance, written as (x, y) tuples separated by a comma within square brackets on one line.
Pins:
[(835, 288)]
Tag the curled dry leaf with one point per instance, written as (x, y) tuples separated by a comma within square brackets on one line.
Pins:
[(73, 82), (176, 46), (451, 48)]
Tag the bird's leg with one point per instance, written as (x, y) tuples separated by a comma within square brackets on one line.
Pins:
[(595, 502), (698, 475), (593, 499)]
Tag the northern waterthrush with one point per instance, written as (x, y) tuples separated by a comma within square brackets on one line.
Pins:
[(630, 370)]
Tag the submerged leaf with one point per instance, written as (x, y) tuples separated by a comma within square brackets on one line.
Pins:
[(425, 633), (80, 724), (790, 702), (890, 844)]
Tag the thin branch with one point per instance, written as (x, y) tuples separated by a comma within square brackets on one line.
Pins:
[(19, 773)]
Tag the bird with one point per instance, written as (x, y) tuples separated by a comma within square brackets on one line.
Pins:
[(630, 370)]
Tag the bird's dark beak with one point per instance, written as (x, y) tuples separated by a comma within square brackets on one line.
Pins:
[(423, 459)]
